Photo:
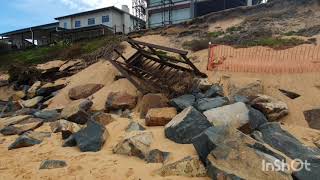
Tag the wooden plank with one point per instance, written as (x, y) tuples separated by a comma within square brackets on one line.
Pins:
[(181, 52)]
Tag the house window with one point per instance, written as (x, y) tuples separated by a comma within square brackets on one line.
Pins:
[(77, 24), (65, 25), (105, 19), (91, 21)]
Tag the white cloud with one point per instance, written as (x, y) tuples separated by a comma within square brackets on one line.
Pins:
[(93, 4)]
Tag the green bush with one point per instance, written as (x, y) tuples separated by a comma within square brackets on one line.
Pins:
[(196, 45), (215, 34)]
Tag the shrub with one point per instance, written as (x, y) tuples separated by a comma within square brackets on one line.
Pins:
[(215, 34), (196, 45)]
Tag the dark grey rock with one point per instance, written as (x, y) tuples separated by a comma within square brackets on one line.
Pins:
[(243, 99), (157, 156), (134, 126), (28, 139), (276, 137), (230, 154), (186, 125), (9, 130), (77, 111), (24, 111), (217, 173), (312, 173), (286, 143), (291, 95), (204, 143), (70, 142), (48, 115), (262, 148), (313, 118), (48, 89), (256, 118), (210, 103), (182, 102), (214, 91), (92, 137), (52, 164), (257, 135)]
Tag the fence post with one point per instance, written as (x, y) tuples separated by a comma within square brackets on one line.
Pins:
[(209, 63)]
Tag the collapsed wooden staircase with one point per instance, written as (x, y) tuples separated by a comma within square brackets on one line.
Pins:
[(154, 68)]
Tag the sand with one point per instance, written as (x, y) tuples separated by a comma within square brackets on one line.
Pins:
[(24, 163)]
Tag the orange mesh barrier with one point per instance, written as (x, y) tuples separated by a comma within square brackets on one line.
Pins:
[(299, 59)]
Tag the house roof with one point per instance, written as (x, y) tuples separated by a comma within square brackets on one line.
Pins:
[(95, 11), (40, 27)]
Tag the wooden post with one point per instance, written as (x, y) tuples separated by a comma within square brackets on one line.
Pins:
[(32, 36)]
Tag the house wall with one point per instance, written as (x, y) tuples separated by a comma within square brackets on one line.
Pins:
[(153, 3), (84, 20), (116, 20), (178, 16), (207, 6)]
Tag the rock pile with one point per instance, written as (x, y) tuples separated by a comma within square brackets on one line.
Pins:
[(233, 135)]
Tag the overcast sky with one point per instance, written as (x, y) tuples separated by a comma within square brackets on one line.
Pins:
[(17, 14)]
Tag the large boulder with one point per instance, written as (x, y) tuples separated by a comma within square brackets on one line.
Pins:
[(52, 164), (182, 102), (272, 108), (160, 116), (313, 118), (205, 104), (120, 101), (229, 154), (235, 115), (28, 139), (279, 139), (135, 143), (91, 138), (186, 125), (188, 167), (84, 91), (76, 111), (150, 101)]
